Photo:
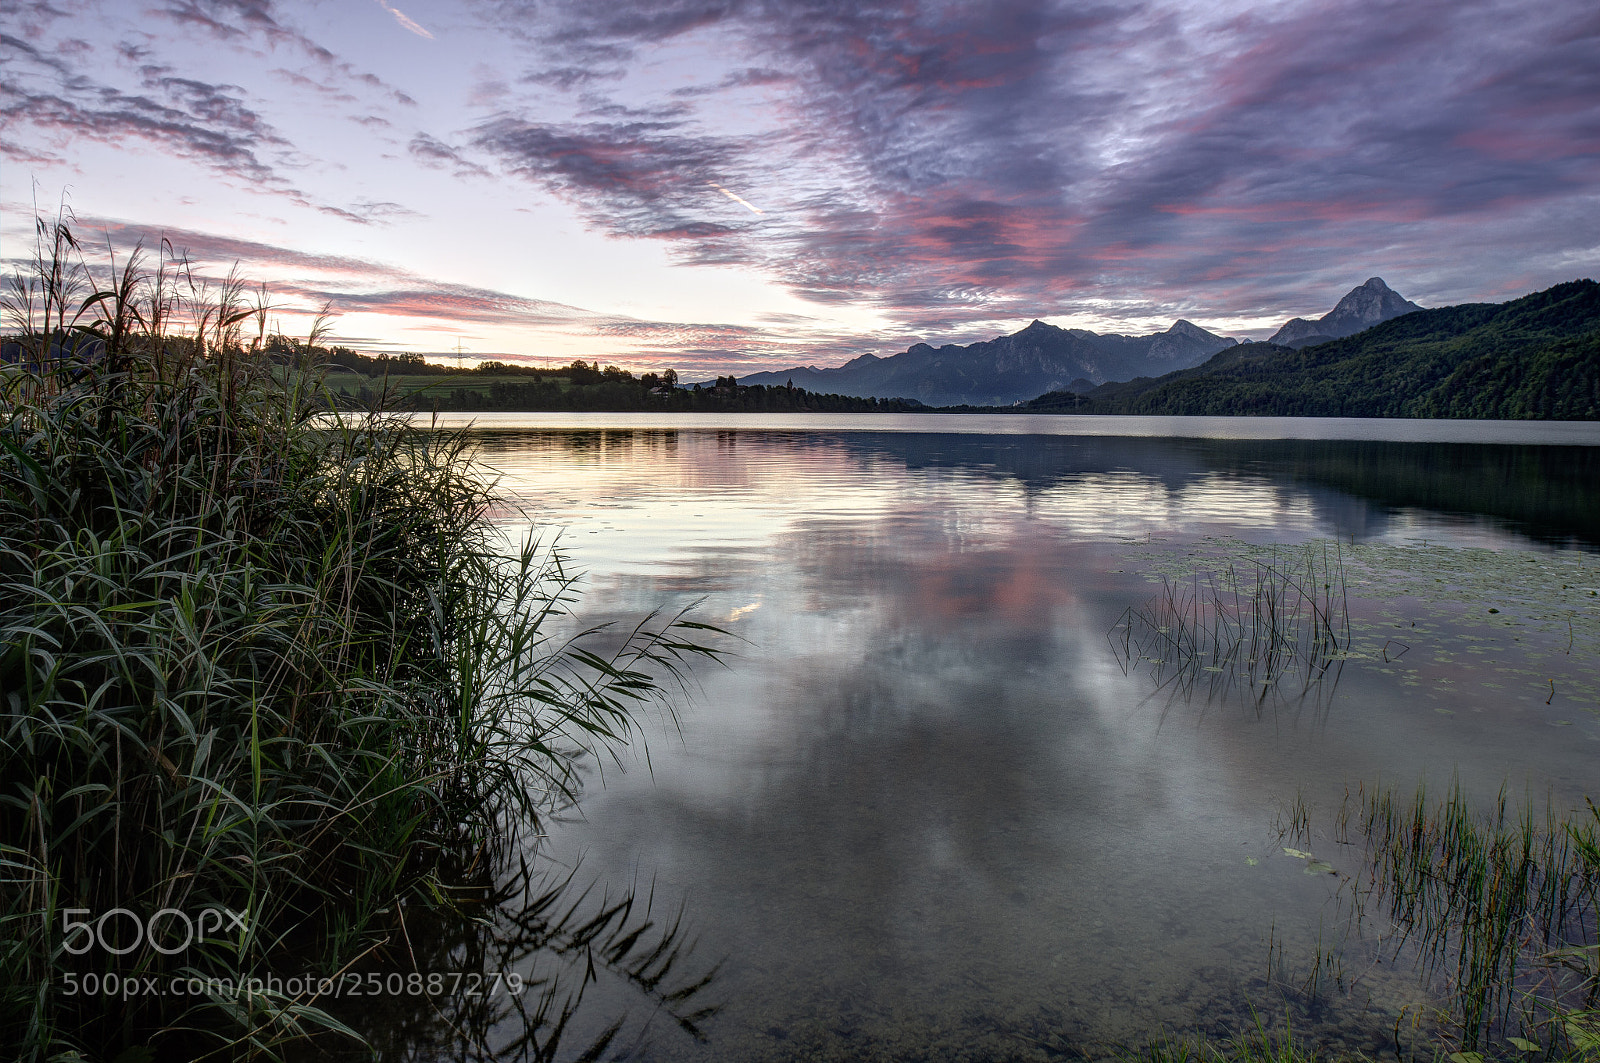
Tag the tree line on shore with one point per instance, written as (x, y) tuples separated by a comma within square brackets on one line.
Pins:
[(1533, 358)]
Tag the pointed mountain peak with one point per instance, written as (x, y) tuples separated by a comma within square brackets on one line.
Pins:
[(1362, 307), (1185, 342), (1369, 304), (1189, 330)]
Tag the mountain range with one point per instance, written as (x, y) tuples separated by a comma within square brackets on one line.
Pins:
[(1007, 369), (1044, 358), (1537, 357)]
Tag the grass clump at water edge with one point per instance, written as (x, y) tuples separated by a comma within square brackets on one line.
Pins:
[(1503, 904), (1496, 908), (1256, 1045), (268, 677)]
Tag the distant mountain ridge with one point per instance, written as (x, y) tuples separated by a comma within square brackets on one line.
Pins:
[(1043, 358), (1537, 357), (1363, 307), (1008, 369)]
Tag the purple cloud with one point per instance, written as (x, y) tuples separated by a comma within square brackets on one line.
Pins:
[(200, 121), (948, 162), (959, 167), (641, 178), (351, 285), (243, 21), (454, 302), (433, 152), (61, 94)]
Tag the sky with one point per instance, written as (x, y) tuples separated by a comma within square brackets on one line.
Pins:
[(737, 185)]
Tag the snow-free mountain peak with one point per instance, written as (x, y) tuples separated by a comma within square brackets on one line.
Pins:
[(1038, 358), (1362, 307)]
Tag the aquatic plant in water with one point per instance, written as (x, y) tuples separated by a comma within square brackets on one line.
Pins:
[(270, 678), (1497, 908), (1254, 627), (1258, 1044), (1503, 903), (1523, 621)]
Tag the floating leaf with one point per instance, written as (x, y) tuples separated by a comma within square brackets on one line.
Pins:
[(1466, 1057), (1522, 1044), (1585, 1038), (1252, 861), (1319, 867), (1297, 854)]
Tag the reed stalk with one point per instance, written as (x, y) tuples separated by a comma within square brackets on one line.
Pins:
[(1272, 628), (1502, 903), (256, 660)]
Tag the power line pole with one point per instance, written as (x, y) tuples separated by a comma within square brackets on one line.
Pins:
[(459, 350)]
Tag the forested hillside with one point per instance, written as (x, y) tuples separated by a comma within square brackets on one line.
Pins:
[(1537, 357)]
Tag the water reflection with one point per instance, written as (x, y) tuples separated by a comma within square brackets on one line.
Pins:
[(926, 812), (1138, 486), (543, 965), (1356, 486)]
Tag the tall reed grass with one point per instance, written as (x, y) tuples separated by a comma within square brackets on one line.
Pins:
[(255, 659)]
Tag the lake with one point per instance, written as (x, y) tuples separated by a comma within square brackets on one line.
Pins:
[(943, 800)]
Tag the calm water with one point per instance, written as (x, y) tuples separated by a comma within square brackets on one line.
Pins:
[(928, 811), (1577, 433)]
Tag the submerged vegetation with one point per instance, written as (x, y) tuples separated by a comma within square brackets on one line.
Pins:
[(1522, 624), (1502, 904), (272, 681), (1251, 627), (1495, 912), (1255, 1045), (1497, 908)]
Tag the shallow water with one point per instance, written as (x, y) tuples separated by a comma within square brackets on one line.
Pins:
[(928, 811)]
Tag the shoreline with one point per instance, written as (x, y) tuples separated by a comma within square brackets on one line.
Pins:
[(1395, 430)]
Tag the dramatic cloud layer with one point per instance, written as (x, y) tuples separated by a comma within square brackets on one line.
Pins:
[(1030, 155), (846, 175)]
